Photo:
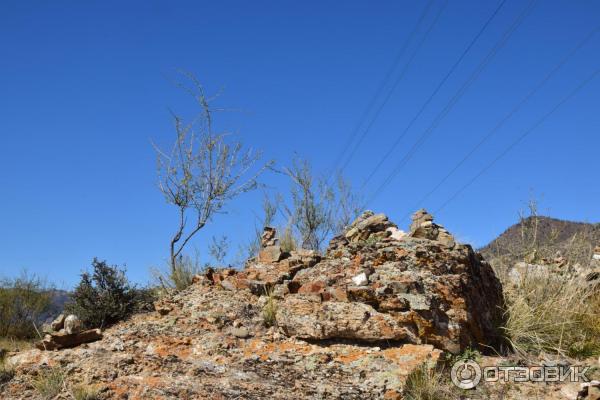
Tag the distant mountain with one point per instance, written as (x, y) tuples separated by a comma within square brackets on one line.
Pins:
[(58, 300), (540, 237)]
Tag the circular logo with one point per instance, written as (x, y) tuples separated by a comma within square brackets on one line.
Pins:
[(466, 374)]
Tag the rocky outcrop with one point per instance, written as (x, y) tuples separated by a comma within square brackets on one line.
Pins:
[(58, 323), (352, 323), (421, 288)]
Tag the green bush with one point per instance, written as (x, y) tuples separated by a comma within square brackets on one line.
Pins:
[(23, 301), (106, 296)]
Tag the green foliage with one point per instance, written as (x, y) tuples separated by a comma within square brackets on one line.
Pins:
[(22, 301), (105, 296), (469, 354), (49, 383)]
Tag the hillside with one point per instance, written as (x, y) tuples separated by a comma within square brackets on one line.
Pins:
[(547, 236), (353, 323), (366, 320)]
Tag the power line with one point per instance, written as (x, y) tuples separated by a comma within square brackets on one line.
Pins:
[(382, 85), (434, 93), (484, 63), (394, 86), (520, 138), (514, 110)]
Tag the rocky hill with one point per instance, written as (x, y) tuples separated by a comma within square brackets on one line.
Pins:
[(351, 324), (547, 236)]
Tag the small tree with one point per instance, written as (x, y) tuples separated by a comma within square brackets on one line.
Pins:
[(311, 208), (318, 208), (202, 172), (218, 248), (105, 296)]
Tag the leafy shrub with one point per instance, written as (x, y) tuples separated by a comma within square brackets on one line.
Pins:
[(23, 301), (49, 383), (105, 296)]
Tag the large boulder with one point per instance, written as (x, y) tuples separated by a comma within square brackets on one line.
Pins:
[(420, 288)]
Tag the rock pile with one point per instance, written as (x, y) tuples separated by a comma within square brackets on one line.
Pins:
[(65, 331), (422, 226), (352, 324), (421, 288)]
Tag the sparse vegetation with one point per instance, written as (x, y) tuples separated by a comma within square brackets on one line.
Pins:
[(106, 296), (318, 208), (553, 313), (85, 392), (218, 249), (536, 238), (23, 301), (428, 383), (180, 277), (270, 308), (49, 382), (287, 239), (12, 344), (7, 371), (202, 172)]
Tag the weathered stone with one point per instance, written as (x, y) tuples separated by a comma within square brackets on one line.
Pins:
[(240, 332), (270, 254), (312, 287), (58, 322), (396, 233), (72, 324), (307, 318), (443, 289), (360, 279), (61, 341), (367, 224), (268, 237), (423, 227), (161, 308)]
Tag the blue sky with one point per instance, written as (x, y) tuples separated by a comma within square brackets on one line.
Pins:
[(85, 87)]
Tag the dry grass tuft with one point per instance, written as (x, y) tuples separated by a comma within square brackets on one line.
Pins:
[(553, 313), (85, 392), (428, 383), (49, 383), (270, 309)]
